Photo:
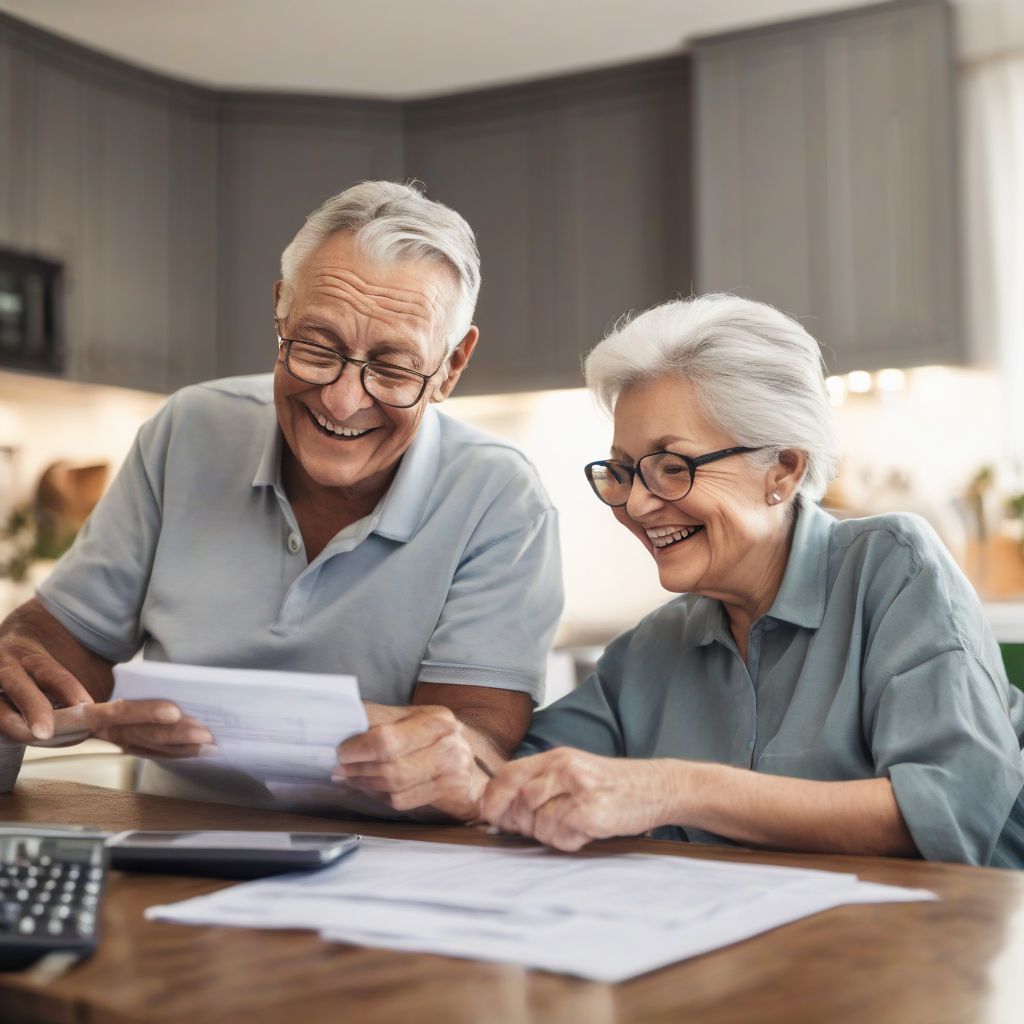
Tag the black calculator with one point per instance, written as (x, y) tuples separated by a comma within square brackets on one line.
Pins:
[(50, 891)]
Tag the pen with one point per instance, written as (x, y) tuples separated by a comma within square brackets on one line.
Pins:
[(484, 767)]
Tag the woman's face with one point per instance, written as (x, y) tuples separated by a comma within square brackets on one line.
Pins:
[(731, 533)]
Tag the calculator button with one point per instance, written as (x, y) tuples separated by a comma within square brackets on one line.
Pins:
[(27, 925)]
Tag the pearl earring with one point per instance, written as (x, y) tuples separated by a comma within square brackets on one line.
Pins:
[(774, 498)]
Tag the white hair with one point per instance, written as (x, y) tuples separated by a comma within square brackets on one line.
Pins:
[(759, 375), (393, 223)]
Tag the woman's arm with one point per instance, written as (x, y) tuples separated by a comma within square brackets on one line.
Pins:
[(566, 798), (751, 807)]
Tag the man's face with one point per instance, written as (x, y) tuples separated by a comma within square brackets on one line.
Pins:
[(395, 314)]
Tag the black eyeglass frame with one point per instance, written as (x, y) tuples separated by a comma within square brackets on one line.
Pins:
[(693, 463), (363, 365)]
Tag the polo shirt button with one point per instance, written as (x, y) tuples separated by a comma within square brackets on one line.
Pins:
[(294, 543)]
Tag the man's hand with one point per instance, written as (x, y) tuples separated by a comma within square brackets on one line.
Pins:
[(42, 665), (415, 757), (147, 728), (565, 798), (32, 682)]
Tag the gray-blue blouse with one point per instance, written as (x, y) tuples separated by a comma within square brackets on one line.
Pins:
[(875, 659)]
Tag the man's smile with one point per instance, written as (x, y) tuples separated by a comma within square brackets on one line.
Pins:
[(333, 431)]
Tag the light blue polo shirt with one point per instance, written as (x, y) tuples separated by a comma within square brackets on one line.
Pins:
[(875, 660), (194, 556)]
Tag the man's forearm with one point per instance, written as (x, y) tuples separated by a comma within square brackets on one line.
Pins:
[(859, 816), (94, 672)]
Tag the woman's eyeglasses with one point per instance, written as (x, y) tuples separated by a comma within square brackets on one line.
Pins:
[(667, 475)]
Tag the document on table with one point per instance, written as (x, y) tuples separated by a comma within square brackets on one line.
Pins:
[(603, 917), (269, 725)]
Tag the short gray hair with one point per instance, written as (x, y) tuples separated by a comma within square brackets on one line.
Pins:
[(392, 223), (758, 373)]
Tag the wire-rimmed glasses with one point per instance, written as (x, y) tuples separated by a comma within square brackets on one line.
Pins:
[(396, 386)]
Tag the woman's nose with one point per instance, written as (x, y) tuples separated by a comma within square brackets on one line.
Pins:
[(640, 501)]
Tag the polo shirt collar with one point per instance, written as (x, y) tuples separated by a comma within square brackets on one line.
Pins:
[(801, 598), (399, 512), (268, 472), (403, 506)]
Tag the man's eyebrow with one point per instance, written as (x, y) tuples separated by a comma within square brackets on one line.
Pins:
[(382, 348)]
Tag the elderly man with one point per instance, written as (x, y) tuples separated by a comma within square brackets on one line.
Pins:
[(327, 519)]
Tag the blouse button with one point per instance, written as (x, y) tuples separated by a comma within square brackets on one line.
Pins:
[(294, 543)]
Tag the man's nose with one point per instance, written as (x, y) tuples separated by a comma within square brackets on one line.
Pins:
[(640, 501), (346, 395)]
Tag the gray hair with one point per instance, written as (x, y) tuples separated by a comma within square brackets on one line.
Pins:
[(759, 375), (392, 223)]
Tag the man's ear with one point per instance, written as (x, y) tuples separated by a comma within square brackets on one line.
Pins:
[(457, 362), (278, 292)]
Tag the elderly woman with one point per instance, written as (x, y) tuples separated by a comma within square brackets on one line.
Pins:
[(821, 685)]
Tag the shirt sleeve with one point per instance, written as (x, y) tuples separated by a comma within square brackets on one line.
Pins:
[(98, 587), (500, 615), (587, 717), (942, 716), (946, 742)]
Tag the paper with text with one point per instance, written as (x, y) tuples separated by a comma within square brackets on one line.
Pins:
[(602, 917), (268, 725)]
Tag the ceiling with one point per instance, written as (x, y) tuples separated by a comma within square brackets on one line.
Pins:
[(397, 49), (401, 49)]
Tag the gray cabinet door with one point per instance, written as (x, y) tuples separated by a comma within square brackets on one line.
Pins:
[(17, 145), (824, 167), (57, 200), (494, 167), (279, 159), (621, 230), (127, 228), (577, 190), (192, 255)]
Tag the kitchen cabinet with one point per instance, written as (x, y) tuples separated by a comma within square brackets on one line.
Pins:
[(127, 237), (489, 158), (824, 158), (280, 157), (577, 189), (17, 130)]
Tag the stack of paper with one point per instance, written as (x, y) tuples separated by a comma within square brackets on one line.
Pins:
[(607, 918), (267, 725)]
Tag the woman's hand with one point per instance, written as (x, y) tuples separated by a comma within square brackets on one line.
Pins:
[(565, 798)]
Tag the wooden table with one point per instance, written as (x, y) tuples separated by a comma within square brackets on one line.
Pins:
[(961, 959)]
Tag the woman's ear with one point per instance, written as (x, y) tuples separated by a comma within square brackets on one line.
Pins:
[(784, 478), (457, 362)]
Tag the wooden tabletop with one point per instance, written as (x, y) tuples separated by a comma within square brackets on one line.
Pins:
[(957, 960)]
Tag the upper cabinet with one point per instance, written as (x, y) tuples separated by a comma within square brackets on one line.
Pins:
[(824, 156), (280, 157), (578, 191)]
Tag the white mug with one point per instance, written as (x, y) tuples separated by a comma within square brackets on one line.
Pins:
[(11, 754)]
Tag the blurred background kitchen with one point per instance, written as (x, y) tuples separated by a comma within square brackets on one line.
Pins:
[(862, 168)]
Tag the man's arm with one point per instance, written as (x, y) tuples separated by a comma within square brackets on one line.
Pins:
[(429, 754)]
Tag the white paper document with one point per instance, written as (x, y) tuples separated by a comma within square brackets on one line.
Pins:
[(268, 725), (607, 918)]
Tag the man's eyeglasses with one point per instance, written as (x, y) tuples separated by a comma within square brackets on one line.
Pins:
[(390, 385), (665, 474)]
